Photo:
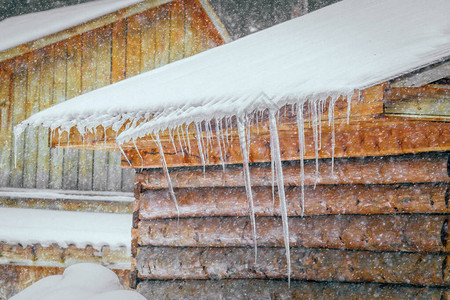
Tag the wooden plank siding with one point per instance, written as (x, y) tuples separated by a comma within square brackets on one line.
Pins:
[(98, 57)]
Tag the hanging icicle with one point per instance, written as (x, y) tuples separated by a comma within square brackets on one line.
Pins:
[(301, 148), (280, 183), (199, 135), (166, 171), (241, 126)]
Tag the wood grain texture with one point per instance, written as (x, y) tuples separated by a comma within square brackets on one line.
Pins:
[(411, 233), (6, 112), (322, 200), (417, 168), (278, 289), (307, 264)]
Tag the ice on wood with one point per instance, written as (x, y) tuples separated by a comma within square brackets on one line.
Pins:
[(333, 52)]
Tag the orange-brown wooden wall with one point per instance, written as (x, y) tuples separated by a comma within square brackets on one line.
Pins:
[(36, 80)]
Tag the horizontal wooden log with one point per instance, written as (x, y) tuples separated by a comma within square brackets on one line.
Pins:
[(428, 167), (278, 289), (322, 200), (307, 264), (377, 137), (413, 233)]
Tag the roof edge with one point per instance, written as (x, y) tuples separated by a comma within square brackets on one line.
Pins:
[(82, 28)]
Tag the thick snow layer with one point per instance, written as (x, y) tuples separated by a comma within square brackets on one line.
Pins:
[(29, 226), (79, 282), (344, 47), (26, 28), (22, 193)]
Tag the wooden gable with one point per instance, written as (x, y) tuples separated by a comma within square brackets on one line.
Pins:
[(76, 61)]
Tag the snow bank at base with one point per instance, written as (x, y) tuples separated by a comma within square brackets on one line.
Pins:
[(79, 282)]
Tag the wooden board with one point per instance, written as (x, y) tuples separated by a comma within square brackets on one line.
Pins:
[(427, 167), (278, 289), (307, 264), (6, 112), (411, 233), (322, 200)]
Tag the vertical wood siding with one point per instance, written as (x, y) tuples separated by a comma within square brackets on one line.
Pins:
[(36, 80)]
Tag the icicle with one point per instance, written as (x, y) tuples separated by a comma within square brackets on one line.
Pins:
[(188, 139), (280, 183), (316, 140), (179, 138), (333, 133), (223, 140), (137, 150), (123, 153), (172, 140), (301, 148), (198, 133), (349, 106), (248, 186), (166, 172), (208, 145), (272, 169), (219, 144)]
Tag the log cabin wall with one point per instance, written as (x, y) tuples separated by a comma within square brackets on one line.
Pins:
[(377, 228), (38, 79)]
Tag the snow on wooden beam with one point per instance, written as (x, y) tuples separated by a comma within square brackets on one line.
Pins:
[(323, 200), (307, 264), (424, 76), (268, 289), (411, 233), (428, 167), (80, 29)]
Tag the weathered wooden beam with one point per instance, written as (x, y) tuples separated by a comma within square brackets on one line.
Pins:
[(427, 102), (307, 264), (413, 233), (322, 200), (424, 76), (428, 167), (366, 138), (278, 289)]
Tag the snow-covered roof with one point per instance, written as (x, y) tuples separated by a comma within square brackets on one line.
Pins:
[(348, 46), (26, 28), (28, 226)]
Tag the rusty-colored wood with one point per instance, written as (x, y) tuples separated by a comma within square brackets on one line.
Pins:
[(18, 115), (278, 289), (89, 63), (45, 101), (376, 138), (162, 35), (176, 50), (6, 112), (59, 95), (133, 45), (307, 264), (412, 233), (322, 200), (80, 29), (73, 88), (103, 77), (32, 107), (428, 102), (148, 38), (428, 167)]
